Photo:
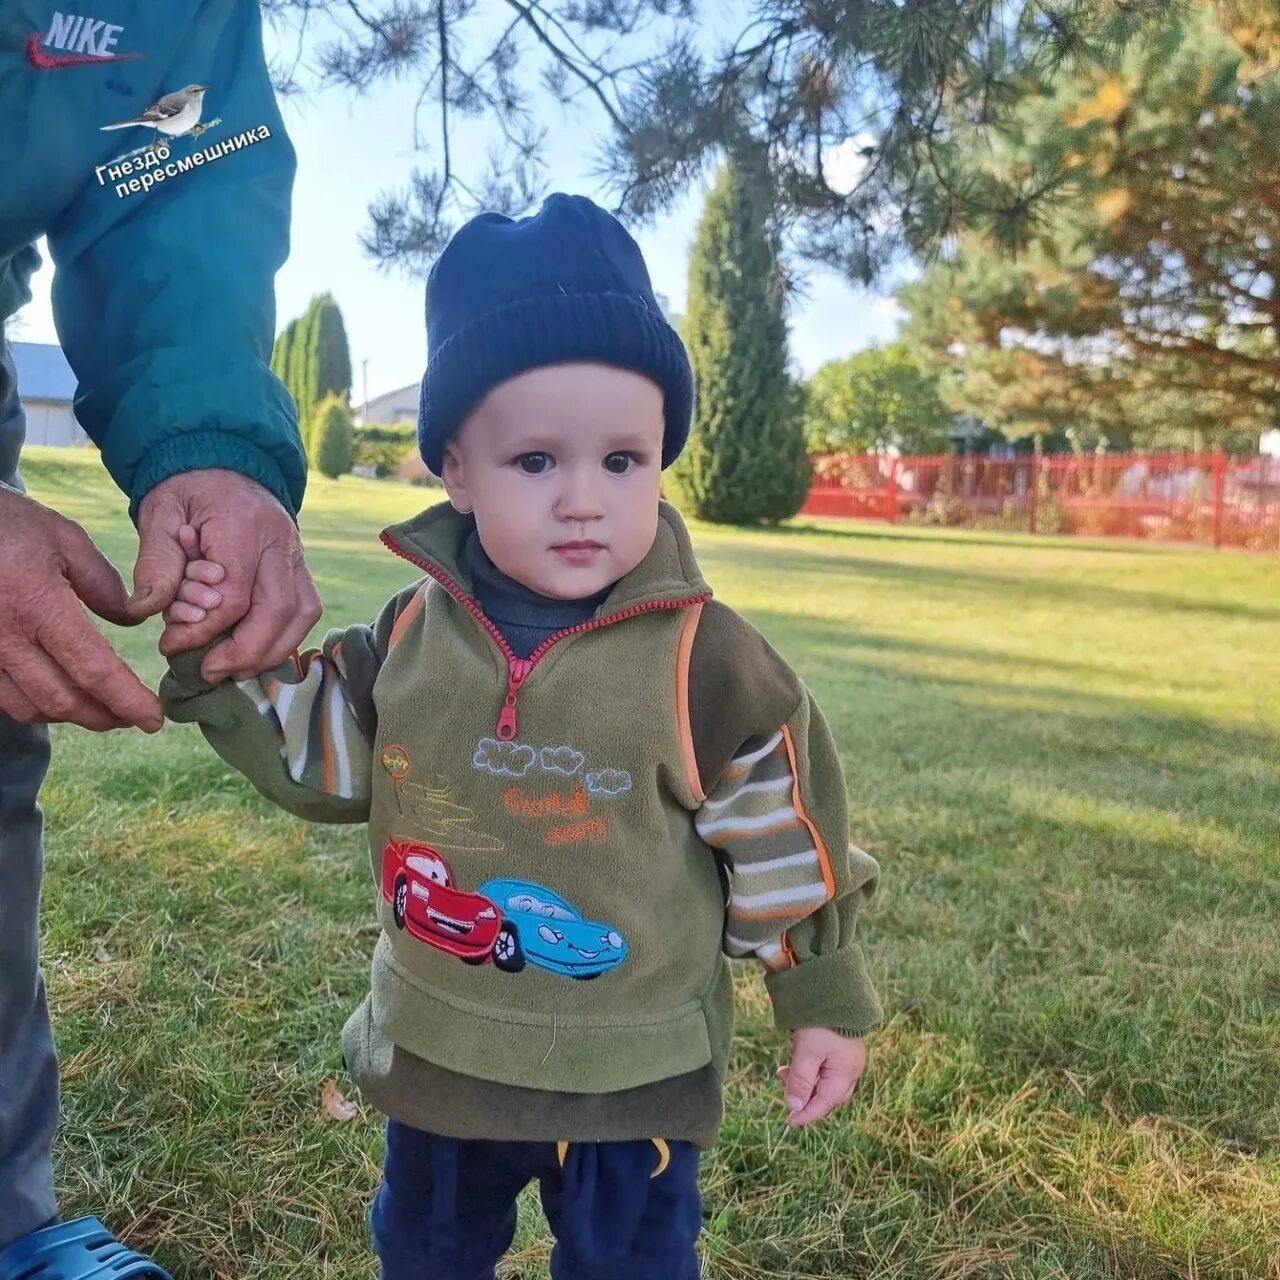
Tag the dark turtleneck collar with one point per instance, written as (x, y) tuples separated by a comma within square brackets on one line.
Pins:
[(524, 617)]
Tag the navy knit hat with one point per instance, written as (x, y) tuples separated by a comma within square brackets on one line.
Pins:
[(567, 284)]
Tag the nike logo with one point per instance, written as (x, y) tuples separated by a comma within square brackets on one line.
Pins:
[(42, 60)]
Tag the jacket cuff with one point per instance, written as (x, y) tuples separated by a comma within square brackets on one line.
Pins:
[(204, 450), (184, 676), (831, 991)]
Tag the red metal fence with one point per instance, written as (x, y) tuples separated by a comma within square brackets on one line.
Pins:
[(1184, 497)]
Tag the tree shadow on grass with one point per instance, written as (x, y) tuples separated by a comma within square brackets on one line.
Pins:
[(921, 534), (1108, 827), (1000, 589), (1016, 665), (1104, 727)]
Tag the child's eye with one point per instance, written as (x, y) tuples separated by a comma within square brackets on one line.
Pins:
[(533, 464), (618, 464)]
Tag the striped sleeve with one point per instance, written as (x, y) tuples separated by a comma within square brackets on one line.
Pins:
[(317, 733), (303, 734), (777, 875), (778, 816)]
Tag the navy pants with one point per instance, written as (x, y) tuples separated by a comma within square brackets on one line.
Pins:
[(28, 1068), (446, 1209)]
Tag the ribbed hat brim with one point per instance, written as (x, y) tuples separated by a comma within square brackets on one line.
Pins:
[(608, 328)]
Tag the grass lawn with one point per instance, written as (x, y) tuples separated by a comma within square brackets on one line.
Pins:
[(1066, 756)]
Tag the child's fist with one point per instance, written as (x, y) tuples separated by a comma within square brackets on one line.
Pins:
[(196, 595), (825, 1070)]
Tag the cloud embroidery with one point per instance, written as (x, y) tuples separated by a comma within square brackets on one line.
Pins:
[(563, 760), (609, 782), (507, 759)]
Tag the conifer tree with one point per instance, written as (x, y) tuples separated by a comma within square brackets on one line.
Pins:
[(745, 462)]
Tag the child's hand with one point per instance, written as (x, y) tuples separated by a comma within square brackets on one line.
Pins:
[(196, 595), (825, 1070)]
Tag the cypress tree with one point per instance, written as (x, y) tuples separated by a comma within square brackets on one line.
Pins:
[(297, 380), (331, 359), (318, 362), (333, 437), (746, 461), (311, 368), (282, 350)]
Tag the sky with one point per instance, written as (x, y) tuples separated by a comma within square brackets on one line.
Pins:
[(351, 148)]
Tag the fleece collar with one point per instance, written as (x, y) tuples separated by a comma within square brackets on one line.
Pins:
[(434, 539)]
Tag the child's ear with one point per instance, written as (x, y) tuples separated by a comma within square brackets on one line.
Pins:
[(453, 477)]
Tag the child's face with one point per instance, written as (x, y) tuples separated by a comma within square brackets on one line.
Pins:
[(561, 467)]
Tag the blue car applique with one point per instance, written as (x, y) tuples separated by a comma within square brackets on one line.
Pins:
[(539, 927)]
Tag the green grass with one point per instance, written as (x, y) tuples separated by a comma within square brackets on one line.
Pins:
[(1067, 757)]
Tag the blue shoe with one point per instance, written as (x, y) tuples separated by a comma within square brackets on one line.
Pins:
[(79, 1250)]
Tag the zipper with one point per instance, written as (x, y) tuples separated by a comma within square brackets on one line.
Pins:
[(519, 669), (508, 719)]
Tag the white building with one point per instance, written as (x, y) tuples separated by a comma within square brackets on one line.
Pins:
[(391, 407), (47, 388)]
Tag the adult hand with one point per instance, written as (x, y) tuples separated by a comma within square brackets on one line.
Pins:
[(55, 665), (266, 599)]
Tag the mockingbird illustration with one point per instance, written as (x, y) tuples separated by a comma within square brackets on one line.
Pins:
[(174, 115)]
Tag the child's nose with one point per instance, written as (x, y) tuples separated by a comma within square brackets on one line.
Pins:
[(580, 497)]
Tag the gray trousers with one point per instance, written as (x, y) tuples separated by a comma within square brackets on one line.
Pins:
[(28, 1068)]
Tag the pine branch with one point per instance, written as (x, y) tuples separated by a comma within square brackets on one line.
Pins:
[(526, 11), (797, 82)]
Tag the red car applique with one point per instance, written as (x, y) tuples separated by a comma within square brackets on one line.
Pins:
[(418, 883)]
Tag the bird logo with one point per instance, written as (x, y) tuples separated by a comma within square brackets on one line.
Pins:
[(174, 115)]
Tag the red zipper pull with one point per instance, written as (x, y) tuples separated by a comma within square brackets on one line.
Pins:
[(508, 722)]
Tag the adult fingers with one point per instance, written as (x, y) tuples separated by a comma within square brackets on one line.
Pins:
[(15, 704), (56, 697), (161, 555), (92, 576), (90, 664)]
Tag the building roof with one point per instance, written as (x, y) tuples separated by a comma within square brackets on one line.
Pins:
[(400, 405), (43, 372)]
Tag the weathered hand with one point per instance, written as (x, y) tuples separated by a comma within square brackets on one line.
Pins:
[(55, 665), (268, 601), (824, 1072)]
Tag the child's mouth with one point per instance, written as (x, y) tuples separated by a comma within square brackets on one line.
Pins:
[(578, 552)]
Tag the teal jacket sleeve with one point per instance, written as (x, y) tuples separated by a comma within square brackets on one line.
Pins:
[(163, 294)]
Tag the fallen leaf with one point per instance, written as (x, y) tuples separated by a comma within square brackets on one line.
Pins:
[(334, 1106), (1112, 205)]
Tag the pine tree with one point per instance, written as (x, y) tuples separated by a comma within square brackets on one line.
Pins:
[(865, 111), (1145, 309), (745, 462), (333, 437)]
